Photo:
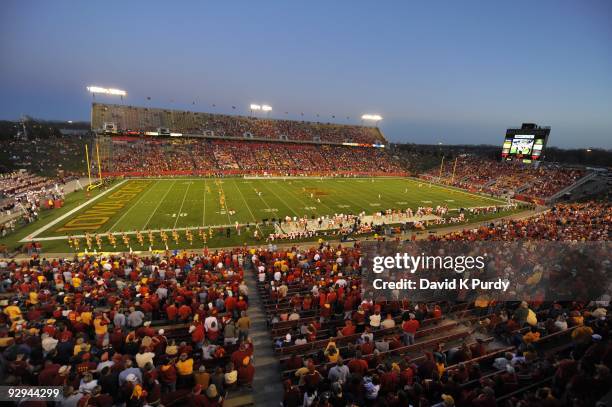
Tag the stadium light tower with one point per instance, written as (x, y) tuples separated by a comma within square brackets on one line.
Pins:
[(254, 107), (266, 108), (371, 117), (106, 91)]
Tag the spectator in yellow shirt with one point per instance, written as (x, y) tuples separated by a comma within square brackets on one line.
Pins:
[(33, 298), (532, 336), (81, 346), (13, 311), (100, 324), (86, 317), (184, 368)]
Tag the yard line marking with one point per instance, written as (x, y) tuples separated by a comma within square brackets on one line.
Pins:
[(69, 213), (158, 205), (336, 197), (306, 205), (283, 201), (204, 211), (132, 207), (264, 201), (245, 202), (182, 203), (351, 191)]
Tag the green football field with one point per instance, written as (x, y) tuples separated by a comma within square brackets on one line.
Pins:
[(193, 203)]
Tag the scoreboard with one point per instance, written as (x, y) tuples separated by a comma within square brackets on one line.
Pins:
[(525, 144)]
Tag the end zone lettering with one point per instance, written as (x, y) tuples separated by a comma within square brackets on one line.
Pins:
[(100, 213)]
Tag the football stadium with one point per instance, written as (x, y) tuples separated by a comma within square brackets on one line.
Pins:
[(202, 253)]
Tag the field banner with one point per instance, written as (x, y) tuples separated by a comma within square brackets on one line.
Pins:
[(488, 271)]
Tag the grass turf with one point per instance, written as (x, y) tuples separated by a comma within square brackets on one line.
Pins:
[(178, 203)]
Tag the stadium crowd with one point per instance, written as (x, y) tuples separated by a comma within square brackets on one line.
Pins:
[(505, 177), (22, 195), (339, 347), (128, 329), (175, 328), (588, 221), (137, 155)]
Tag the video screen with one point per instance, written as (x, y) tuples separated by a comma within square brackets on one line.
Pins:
[(525, 147)]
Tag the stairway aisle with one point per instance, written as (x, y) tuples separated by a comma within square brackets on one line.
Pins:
[(267, 385)]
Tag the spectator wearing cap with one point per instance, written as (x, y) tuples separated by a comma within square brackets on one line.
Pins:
[(196, 398), (129, 369)]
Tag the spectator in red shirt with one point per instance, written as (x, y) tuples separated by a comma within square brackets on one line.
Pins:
[(348, 329), (184, 312), (367, 347), (171, 312), (358, 365), (409, 328), (246, 372)]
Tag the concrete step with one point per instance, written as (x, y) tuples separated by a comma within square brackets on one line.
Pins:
[(267, 386)]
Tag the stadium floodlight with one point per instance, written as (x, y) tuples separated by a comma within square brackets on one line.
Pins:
[(266, 108), (106, 91), (255, 107), (373, 117)]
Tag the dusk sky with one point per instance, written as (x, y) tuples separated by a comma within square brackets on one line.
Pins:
[(445, 71)]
